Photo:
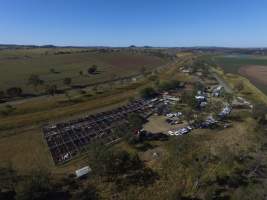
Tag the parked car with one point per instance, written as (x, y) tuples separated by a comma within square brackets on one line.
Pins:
[(184, 130), (189, 128), (177, 133), (170, 132)]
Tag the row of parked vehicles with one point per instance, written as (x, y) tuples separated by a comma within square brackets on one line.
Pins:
[(181, 131), (210, 122)]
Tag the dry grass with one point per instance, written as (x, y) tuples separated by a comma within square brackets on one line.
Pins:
[(28, 151), (174, 176), (25, 151), (250, 91), (22, 63)]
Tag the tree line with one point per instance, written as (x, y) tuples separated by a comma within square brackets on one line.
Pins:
[(150, 92)]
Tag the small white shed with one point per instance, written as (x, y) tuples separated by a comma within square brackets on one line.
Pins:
[(83, 171)]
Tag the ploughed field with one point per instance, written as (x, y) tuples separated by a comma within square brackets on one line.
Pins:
[(257, 75), (53, 65), (253, 68)]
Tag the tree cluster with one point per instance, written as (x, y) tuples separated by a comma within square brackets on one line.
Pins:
[(14, 91), (92, 69), (169, 85), (119, 166), (35, 80), (40, 185), (148, 92), (259, 112)]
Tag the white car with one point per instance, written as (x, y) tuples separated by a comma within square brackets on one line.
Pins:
[(170, 132), (177, 133), (178, 114), (170, 115), (189, 128), (183, 130)]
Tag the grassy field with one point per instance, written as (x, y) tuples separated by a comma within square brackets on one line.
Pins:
[(235, 64), (17, 65), (250, 91), (232, 63)]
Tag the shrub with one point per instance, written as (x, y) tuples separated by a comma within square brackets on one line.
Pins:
[(169, 85), (239, 86), (35, 80), (2, 94), (92, 69), (147, 92), (67, 81), (35, 187), (51, 89), (135, 121), (88, 193), (14, 91)]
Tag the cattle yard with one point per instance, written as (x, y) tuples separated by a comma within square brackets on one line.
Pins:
[(68, 139)]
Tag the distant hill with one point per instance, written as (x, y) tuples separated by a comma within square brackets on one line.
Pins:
[(15, 46), (198, 49)]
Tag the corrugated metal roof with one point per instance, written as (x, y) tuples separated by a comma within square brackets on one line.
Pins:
[(83, 171)]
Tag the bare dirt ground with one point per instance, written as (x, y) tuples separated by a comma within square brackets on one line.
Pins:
[(158, 124), (258, 73)]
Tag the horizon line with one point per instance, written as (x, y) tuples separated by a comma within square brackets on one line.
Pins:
[(128, 46)]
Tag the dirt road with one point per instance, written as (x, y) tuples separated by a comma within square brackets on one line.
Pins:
[(222, 82)]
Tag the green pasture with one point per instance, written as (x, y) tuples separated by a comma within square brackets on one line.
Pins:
[(17, 65), (232, 63)]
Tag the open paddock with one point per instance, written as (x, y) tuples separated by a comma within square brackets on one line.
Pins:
[(256, 74), (53, 67), (252, 67)]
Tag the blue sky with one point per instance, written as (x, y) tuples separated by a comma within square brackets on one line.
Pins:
[(233, 23)]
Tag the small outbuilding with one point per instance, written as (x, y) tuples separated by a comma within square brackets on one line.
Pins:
[(217, 91), (225, 111), (83, 171)]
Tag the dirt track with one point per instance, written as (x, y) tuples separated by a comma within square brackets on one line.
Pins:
[(222, 83)]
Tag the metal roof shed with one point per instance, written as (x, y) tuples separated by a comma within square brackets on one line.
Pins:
[(83, 171)]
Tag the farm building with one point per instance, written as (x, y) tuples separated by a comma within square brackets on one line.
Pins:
[(83, 171), (68, 139), (200, 98), (240, 102), (217, 91)]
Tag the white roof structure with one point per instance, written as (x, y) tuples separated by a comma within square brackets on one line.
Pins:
[(83, 171), (218, 88), (200, 97), (217, 91), (245, 102), (226, 111), (173, 99)]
